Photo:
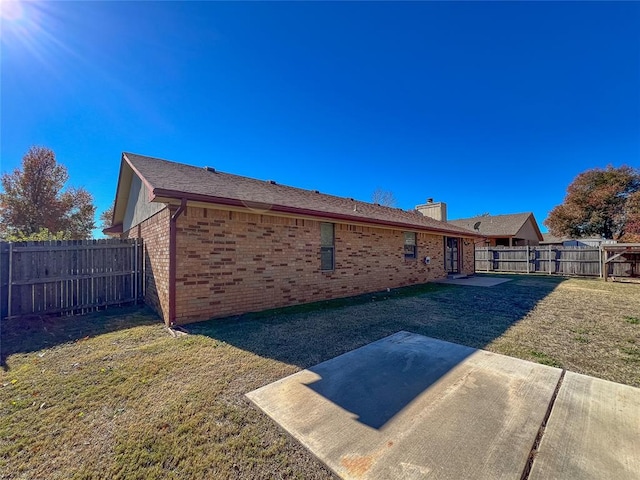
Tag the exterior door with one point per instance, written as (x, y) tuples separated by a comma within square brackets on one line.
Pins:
[(451, 255)]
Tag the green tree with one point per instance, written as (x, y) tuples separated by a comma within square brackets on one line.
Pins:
[(599, 202), (35, 204), (43, 235)]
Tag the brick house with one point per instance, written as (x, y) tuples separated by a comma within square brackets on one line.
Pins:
[(511, 230), (217, 244)]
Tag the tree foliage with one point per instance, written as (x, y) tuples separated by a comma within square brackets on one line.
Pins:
[(383, 197), (106, 217), (35, 205), (632, 227), (43, 235), (600, 203)]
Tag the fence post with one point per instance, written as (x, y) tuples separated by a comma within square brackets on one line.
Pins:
[(143, 270), (550, 260), (486, 260), (528, 258), (4, 278), (600, 262), (10, 279), (136, 268)]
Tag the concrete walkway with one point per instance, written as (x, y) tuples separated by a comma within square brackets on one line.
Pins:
[(593, 432), (409, 406)]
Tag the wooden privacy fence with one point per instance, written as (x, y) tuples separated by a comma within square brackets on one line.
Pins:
[(552, 260), (69, 276)]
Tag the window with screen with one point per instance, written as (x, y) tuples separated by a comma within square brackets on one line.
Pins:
[(410, 248), (327, 246)]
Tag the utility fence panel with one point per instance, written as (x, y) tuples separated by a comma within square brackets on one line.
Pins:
[(541, 259), (69, 276)]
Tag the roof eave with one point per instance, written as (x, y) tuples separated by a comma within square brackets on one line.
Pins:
[(127, 170), (535, 224), (113, 230), (178, 195), (119, 187), (142, 177)]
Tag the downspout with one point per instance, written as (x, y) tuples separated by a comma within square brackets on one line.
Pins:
[(172, 261)]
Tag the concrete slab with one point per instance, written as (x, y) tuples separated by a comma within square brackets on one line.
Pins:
[(593, 432), (409, 406), (474, 281)]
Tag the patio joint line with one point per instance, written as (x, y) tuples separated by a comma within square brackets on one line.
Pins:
[(541, 430)]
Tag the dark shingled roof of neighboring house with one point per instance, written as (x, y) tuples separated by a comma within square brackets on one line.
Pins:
[(170, 180), (497, 225), (548, 238)]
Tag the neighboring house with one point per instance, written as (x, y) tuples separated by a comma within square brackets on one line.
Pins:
[(575, 242), (548, 239), (517, 229), (217, 244)]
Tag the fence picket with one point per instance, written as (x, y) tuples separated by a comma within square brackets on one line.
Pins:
[(67, 277), (573, 260)]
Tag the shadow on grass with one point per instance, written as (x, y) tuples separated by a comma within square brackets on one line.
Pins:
[(309, 334), (32, 333)]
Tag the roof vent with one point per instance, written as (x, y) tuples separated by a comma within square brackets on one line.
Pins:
[(429, 200), (210, 169), (316, 191), (272, 182)]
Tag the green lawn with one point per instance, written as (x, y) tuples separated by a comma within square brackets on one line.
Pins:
[(113, 395)]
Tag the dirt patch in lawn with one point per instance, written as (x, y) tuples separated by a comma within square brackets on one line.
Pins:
[(127, 400)]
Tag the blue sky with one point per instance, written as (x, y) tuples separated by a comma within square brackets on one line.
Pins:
[(491, 107)]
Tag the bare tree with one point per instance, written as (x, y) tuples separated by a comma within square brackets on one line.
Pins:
[(384, 197)]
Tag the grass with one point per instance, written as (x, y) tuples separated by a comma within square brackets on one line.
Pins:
[(545, 359), (115, 396), (631, 320), (335, 303)]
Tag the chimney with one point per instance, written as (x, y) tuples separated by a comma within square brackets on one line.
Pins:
[(435, 210)]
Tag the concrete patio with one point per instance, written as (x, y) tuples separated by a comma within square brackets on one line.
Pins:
[(409, 406)]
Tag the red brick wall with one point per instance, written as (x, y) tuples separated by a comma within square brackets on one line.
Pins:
[(155, 234), (230, 263), (468, 257)]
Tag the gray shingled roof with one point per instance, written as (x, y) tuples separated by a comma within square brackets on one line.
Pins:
[(548, 238), (495, 225), (167, 179)]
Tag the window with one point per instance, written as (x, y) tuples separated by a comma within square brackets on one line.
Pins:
[(410, 249), (327, 246)]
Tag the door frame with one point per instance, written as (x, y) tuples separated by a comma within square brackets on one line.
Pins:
[(449, 255)]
